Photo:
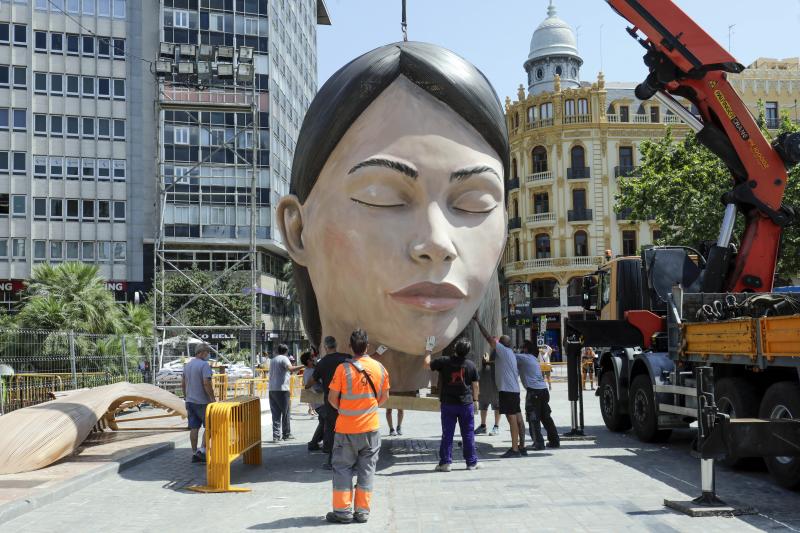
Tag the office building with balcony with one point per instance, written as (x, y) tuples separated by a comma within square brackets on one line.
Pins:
[(773, 84)]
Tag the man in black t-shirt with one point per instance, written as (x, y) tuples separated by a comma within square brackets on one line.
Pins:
[(458, 392), (323, 374)]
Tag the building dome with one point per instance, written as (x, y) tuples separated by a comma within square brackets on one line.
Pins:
[(553, 54), (553, 37)]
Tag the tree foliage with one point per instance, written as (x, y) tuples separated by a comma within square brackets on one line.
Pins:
[(680, 184), (185, 301)]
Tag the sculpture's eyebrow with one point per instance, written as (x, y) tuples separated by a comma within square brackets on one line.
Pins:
[(388, 163), (464, 173)]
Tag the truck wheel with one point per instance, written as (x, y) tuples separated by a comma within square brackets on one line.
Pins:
[(782, 400), (610, 405), (644, 416), (738, 399)]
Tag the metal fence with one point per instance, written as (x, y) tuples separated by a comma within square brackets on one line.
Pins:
[(35, 365)]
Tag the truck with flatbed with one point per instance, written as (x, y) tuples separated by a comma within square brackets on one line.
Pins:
[(701, 337)]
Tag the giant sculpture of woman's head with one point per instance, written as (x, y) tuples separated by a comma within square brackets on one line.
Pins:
[(396, 221)]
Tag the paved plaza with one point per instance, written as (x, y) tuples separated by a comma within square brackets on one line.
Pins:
[(612, 484)]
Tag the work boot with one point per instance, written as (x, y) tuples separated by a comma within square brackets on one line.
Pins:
[(337, 518), (481, 430), (495, 431), (361, 518)]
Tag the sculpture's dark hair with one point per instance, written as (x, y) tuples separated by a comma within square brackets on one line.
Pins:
[(347, 94)]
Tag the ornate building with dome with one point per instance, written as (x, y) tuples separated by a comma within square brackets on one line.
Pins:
[(571, 141)]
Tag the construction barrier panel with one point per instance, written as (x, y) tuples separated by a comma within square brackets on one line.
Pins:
[(233, 429)]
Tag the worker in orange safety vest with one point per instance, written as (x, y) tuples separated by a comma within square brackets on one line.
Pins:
[(359, 387)]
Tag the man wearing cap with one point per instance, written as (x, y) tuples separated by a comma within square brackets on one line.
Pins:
[(198, 393)]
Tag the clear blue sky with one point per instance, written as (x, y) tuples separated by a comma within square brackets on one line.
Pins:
[(495, 34)]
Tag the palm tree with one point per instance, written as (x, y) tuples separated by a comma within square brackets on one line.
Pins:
[(69, 296)]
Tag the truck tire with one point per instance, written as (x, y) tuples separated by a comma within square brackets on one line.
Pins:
[(610, 404), (738, 399), (643, 413), (782, 400)]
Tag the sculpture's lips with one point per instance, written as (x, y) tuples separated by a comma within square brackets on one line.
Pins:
[(430, 296)]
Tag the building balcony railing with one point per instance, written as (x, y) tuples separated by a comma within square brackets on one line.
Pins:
[(643, 119), (625, 171), (539, 178), (578, 215), (513, 183), (514, 223), (625, 214), (577, 119), (545, 301), (541, 123), (578, 173), (540, 219), (553, 264)]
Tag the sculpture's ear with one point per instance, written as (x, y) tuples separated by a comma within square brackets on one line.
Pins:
[(289, 216)]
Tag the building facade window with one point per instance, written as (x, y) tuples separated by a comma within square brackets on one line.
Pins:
[(629, 242), (579, 199), (542, 246), (541, 203), (624, 113), (583, 106), (655, 114), (539, 158), (581, 241)]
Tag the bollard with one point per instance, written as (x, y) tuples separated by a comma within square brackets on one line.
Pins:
[(233, 429)]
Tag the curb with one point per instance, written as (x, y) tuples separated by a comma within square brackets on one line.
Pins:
[(18, 508)]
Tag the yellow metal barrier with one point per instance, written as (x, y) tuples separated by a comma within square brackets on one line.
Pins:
[(233, 429), (219, 382)]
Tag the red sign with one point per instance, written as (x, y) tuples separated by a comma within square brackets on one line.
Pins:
[(117, 286), (12, 285)]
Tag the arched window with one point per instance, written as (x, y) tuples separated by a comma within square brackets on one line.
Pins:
[(544, 288), (539, 159), (577, 159), (517, 256), (583, 106), (569, 107), (515, 208), (575, 286), (514, 168), (516, 120), (531, 115), (581, 243), (542, 246)]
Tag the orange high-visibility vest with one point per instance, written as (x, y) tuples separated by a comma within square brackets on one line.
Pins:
[(358, 404)]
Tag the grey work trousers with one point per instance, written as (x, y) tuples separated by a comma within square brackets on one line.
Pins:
[(354, 454), (279, 402)]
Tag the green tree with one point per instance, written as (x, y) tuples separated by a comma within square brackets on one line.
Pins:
[(69, 297), (680, 184), (185, 301)]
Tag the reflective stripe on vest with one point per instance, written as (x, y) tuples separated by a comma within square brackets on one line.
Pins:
[(348, 393)]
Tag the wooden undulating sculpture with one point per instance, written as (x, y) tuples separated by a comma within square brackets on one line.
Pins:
[(37, 436)]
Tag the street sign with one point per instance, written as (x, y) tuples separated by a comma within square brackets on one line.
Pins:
[(540, 341)]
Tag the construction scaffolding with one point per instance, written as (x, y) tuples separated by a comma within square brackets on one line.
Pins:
[(200, 207)]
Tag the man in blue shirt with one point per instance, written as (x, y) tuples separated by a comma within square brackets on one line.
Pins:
[(537, 400)]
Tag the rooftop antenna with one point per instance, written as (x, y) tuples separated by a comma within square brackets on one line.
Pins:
[(730, 32), (601, 48), (404, 23)]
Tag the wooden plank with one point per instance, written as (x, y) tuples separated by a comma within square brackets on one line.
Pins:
[(409, 403)]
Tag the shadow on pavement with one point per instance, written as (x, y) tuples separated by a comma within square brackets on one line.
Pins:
[(295, 521)]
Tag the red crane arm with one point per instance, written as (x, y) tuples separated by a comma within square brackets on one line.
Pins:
[(685, 61)]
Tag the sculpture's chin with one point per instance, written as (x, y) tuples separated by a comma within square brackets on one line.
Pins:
[(406, 372)]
